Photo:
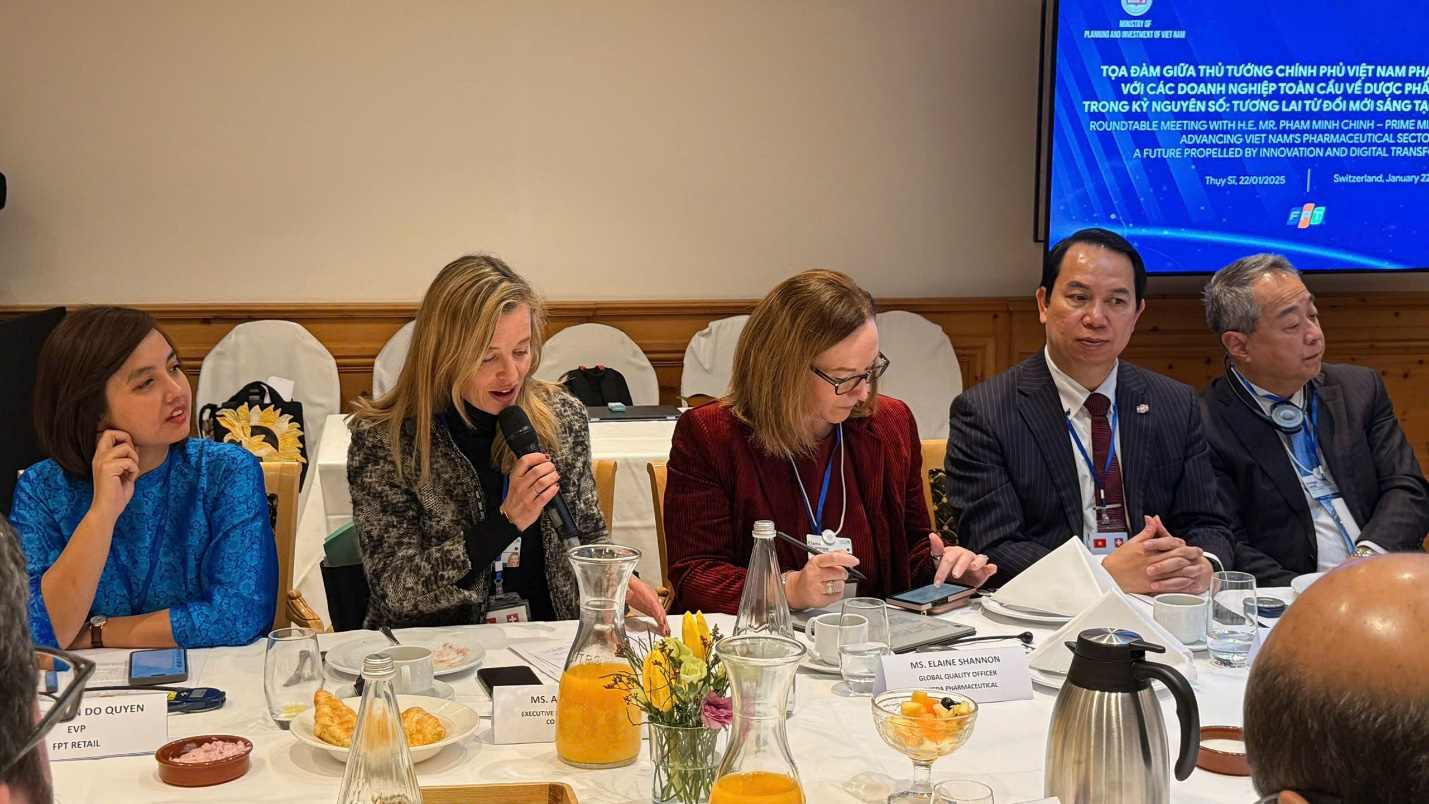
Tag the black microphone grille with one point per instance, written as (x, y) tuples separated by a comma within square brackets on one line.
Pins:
[(516, 426)]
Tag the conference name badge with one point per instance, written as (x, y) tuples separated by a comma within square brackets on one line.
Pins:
[(986, 676)]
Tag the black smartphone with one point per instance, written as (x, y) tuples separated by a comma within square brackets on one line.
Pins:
[(932, 599), (163, 666), (516, 675)]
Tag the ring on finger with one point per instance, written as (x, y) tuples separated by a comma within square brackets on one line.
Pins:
[(830, 587)]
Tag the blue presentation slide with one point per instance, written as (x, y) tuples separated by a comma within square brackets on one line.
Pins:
[(1206, 130)]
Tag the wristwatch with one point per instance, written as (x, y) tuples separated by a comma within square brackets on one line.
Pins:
[(1364, 551), (96, 630)]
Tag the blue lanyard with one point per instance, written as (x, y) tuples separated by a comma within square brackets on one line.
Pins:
[(161, 531), (816, 521), (1099, 482)]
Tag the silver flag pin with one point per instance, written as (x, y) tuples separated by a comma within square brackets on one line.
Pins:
[(1143, 408)]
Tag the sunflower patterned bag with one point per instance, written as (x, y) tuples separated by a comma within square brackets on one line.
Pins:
[(262, 422)]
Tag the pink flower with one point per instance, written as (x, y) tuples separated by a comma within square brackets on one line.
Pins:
[(717, 712)]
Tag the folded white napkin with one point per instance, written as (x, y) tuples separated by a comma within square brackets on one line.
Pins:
[(1065, 581), (1113, 610)]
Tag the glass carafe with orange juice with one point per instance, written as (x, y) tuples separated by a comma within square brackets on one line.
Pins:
[(595, 727), (757, 767)]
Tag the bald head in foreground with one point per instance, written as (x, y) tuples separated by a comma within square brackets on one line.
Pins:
[(1337, 706)]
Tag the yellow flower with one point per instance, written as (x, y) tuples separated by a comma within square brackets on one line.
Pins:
[(263, 431), (656, 678), (696, 634)]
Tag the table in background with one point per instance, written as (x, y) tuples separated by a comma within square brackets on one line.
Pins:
[(840, 756), (631, 444)]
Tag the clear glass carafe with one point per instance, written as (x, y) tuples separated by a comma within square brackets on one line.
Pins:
[(595, 727), (758, 767), (379, 766)]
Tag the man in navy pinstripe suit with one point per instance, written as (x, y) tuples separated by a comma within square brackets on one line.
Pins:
[(1074, 443)]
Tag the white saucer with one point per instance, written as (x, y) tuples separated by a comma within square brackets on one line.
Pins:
[(990, 604), (347, 657), (813, 662), (1196, 647), (440, 689), (1301, 583)]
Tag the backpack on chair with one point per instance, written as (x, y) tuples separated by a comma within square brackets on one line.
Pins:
[(262, 422)]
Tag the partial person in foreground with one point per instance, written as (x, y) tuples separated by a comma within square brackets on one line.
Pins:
[(1312, 466), (1336, 709), (439, 500), (1074, 443), (135, 535), (24, 764), (804, 439)]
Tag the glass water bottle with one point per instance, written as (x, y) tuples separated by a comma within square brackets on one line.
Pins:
[(379, 766), (595, 727), (758, 766), (763, 607)]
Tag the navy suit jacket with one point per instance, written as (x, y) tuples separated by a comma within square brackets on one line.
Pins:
[(1367, 455), (1012, 483)]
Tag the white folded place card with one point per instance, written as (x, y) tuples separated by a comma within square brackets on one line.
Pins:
[(282, 385), (1065, 581), (524, 714), (986, 676), (114, 726), (1113, 610)]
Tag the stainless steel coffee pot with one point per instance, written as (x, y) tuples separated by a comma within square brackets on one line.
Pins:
[(1107, 744)]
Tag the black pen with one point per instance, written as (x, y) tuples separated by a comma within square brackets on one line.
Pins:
[(814, 551)]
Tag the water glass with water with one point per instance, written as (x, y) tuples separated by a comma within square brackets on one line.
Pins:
[(1233, 621), (292, 673), (962, 791), (861, 648)]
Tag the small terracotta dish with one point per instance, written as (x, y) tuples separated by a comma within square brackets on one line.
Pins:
[(1226, 763), (202, 774)]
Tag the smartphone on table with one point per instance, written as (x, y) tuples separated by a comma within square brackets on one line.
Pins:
[(932, 599), (148, 668), (518, 675)]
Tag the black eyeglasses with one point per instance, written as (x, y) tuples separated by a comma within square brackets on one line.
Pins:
[(49, 663), (844, 385)]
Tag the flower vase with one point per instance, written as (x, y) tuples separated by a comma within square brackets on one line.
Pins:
[(685, 760)]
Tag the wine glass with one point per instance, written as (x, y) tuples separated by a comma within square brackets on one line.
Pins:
[(292, 673), (923, 725)]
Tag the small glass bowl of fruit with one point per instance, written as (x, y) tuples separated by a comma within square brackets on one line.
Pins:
[(923, 726)]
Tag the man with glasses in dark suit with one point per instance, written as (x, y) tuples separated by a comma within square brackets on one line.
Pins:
[(1337, 704), (1074, 443), (24, 766), (1312, 466)]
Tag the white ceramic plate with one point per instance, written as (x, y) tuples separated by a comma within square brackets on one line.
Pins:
[(459, 719), (991, 604), (347, 657), (1303, 582)]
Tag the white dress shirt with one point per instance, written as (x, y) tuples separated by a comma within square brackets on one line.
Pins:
[(1074, 397), (1332, 550)]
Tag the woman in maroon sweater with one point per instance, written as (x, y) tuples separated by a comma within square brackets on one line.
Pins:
[(803, 439)]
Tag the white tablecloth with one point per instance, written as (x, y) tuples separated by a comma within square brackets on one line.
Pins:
[(630, 444), (840, 757)]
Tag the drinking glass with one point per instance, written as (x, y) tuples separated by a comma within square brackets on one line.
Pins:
[(961, 791), (1233, 618), (292, 673), (862, 648)]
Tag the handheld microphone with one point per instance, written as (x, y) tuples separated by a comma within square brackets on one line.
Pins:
[(522, 439)]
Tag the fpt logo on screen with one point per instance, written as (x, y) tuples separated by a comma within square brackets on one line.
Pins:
[(1136, 7), (1306, 216)]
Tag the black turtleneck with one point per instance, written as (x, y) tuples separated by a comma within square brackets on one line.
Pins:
[(492, 535)]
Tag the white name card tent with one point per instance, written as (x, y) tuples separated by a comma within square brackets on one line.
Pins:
[(113, 726), (986, 676)]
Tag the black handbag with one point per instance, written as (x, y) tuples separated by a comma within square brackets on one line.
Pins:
[(262, 422)]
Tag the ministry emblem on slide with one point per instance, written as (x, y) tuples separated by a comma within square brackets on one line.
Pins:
[(1136, 7)]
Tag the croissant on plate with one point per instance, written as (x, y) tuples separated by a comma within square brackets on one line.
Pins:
[(333, 720)]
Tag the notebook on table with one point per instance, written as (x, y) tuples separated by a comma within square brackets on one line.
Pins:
[(906, 631)]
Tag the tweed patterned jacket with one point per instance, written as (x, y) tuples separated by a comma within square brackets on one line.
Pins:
[(413, 539)]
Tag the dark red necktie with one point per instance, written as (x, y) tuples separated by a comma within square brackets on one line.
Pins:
[(1113, 518)]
